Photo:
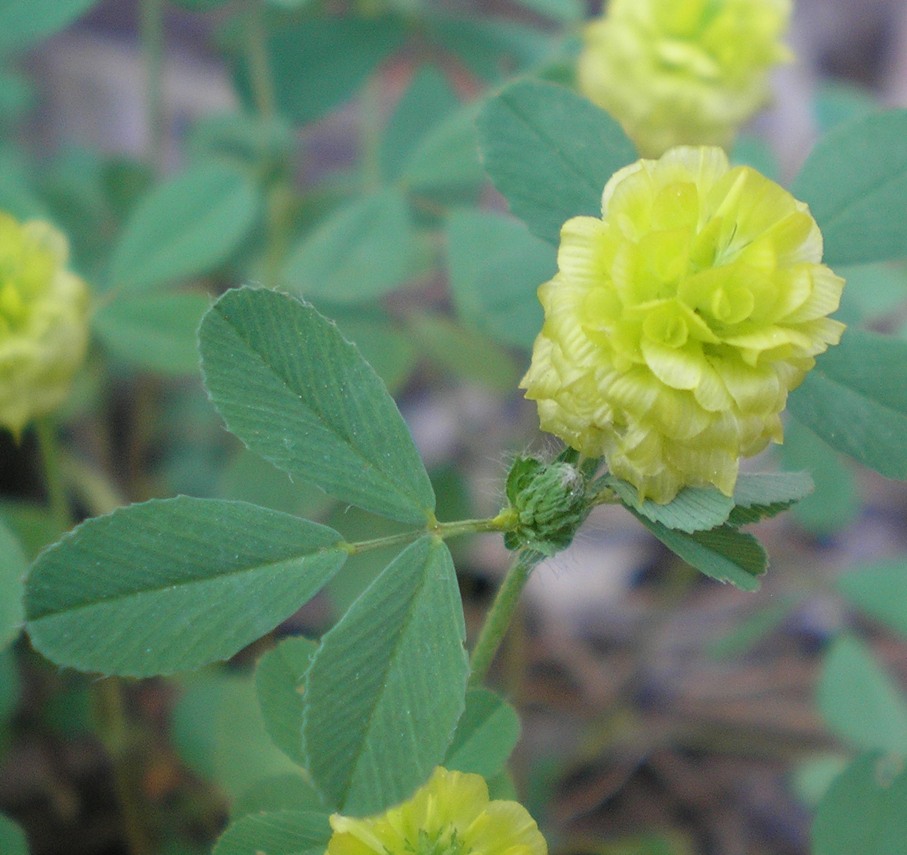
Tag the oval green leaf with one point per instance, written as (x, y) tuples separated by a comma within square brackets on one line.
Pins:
[(12, 573), (550, 152), (758, 495), (300, 395), (879, 590), (387, 685), (22, 24), (863, 810), (693, 509), (12, 838), (173, 584), (283, 832), (319, 63), (854, 182), (496, 267), (486, 734), (362, 250), (723, 553), (279, 680), (856, 400), (156, 332), (859, 701), (185, 227)]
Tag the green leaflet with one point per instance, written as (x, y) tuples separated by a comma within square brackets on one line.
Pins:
[(859, 701), (282, 832), (855, 399), (173, 584), (486, 733), (279, 679), (12, 572), (296, 392), (153, 331), (854, 182), (21, 24), (184, 227), (550, 152), (386, 687), (863, 810)]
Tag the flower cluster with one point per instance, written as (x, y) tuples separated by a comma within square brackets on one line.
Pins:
[(679, 72), (678, 323), (450, 815), (43, 321)]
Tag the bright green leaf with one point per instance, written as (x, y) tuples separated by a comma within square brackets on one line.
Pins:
[(12, 572), (837, 103), (284, 832), (22, 24), (879, 590), (834, 501), (746, 633), (446, 159), (385, 347), (429, 98), (567, 11), (465, 354), (765, 494), (855, 399), (251, 138), (486, 734), (297, 393), (491, 48), (724, 553), (812, 777), (279, 681), (153, 331), (854, 182), (170, 585), (858, 700), (863, 811), (361, 251), (185, 227), (9, 685), (387, 684), (319, 63), (290, 791), (874, 291), (550, 152), (12, 838), (219, 732), (693, 509), (496, 267)]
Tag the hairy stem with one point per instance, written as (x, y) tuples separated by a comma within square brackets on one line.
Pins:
[(500, 615)]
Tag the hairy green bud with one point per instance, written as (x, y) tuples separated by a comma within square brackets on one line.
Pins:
[(550, 503)]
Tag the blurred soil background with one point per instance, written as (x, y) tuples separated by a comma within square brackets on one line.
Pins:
[(654, 701)]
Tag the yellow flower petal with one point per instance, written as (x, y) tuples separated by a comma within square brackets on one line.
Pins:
[(677, 324)]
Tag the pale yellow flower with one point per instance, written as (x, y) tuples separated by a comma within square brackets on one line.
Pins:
[(450, 815), (678, 323), (683, 72), (43, 321)]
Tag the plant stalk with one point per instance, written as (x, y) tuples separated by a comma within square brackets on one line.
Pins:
[(152, 33), (499, 616)]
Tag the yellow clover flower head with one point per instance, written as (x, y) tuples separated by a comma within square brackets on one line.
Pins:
[(450, 815), (679, 321), (43, 321), (677, 72)]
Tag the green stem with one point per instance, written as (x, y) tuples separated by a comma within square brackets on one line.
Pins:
[(112, 727), (499, 616), (53, 473), (153, 43), (504, 521), (370, 134), (260, 76)]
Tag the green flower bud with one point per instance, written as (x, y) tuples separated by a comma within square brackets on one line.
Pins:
[(550, 503), (43, 321)]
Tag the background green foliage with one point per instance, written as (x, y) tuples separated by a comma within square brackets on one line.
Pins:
[(421, 278)]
